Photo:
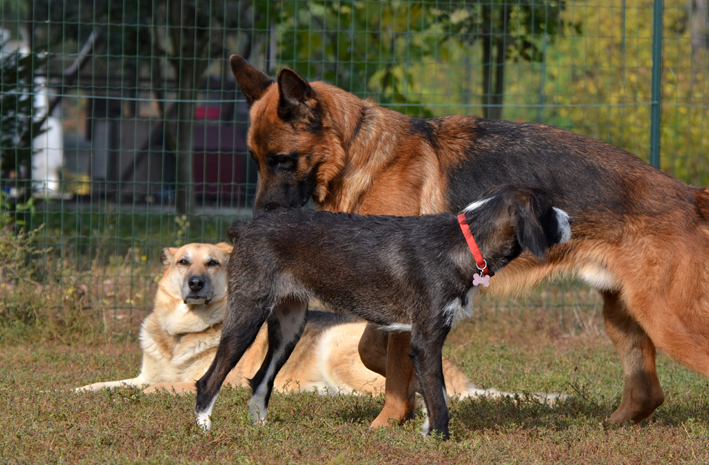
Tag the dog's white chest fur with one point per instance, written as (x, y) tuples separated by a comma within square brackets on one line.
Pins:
[(598, 277), (458, 309)]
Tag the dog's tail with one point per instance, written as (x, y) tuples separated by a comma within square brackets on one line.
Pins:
[(236, 229), (139, 382), (459, 385), (547, 398)]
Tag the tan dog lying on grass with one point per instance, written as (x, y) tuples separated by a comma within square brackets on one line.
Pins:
[(179, 338)]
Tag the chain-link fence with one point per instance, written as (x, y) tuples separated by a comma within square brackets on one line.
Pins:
[(123, 130)]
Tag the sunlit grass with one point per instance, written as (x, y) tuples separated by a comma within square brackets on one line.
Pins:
[(511, 350)]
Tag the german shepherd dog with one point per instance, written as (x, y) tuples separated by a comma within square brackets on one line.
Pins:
[(413, 274), (179, 339), (640, 237)]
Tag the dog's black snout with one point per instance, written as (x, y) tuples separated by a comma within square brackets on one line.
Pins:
[(196, 283)]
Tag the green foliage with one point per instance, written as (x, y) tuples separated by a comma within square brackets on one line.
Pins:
[(523, 25), (364, 47), (368, 47), (40, 300), (595, 80), (12, 214), (603, 86), (21, 293)]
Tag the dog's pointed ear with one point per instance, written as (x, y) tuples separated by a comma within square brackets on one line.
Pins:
[(226, 248), (528, 228), (252, 82), (297, 101), (166, 255)]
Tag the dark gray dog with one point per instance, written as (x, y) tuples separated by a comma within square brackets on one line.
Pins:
[(404, 273)]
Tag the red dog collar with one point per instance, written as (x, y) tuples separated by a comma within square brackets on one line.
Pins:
[(479, 260)]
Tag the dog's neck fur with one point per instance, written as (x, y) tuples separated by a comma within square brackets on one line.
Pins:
[(192, 318), (371, 129)]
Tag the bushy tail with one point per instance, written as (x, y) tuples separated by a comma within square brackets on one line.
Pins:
[(458, 385)]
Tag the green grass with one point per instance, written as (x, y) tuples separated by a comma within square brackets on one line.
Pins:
[(104, 231), (520, 351)]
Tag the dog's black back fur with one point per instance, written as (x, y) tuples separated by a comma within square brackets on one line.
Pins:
[(346, 259), (412, 271)]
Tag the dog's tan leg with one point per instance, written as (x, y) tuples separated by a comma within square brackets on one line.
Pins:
[(642, 393), (373, 348), (400, 395)]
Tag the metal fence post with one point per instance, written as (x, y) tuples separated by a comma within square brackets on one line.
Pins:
[(656, 81)]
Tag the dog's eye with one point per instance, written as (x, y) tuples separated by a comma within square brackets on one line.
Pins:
[(183, 262), (213, 263), (284, 162)]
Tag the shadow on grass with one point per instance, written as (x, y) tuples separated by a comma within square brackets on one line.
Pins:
[(676, 414), (524, 413)]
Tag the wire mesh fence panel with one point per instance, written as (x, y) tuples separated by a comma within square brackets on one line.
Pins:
[(123, 130)]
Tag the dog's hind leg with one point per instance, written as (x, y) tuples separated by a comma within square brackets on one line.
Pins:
[(373, 348), (243, 322), (642, 393), (285, 326), (426, 354), (400, 393)]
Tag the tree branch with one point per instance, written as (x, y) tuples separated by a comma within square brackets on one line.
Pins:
[(69, 77)]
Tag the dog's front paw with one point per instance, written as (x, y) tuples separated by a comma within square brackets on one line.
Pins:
[(258, 415), (258, 410), (426, 427), (203, 421)]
